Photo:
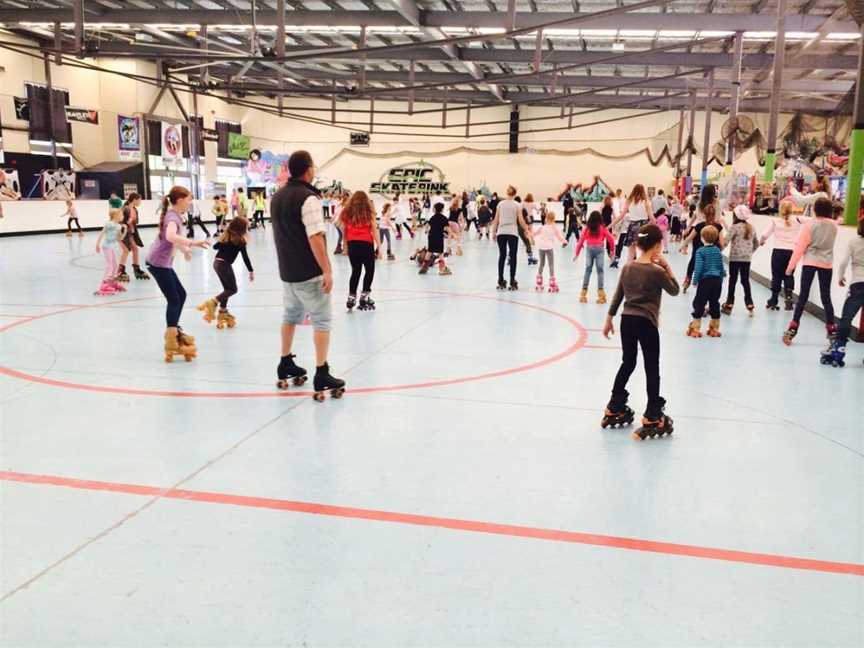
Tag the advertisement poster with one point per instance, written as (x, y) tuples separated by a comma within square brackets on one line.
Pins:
[(172, 142), (239, 146), (58, 185), (10, 188), (412, 178), (22, 108), (84, 115), (265, 169), (129, 137)]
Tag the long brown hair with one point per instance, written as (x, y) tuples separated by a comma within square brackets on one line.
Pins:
[(359, 210), (235, 233), (638, 194), (177, 193), (822, 184), (710, 214)]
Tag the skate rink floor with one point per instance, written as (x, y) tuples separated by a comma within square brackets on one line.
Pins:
[(461, 493)]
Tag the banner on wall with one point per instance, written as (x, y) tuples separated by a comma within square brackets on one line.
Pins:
[(10, 188), (209, 135), (265, 169), (22, 108), (172, 142), (129, 137), (412, 178), (84, 115), (239, 146), (58, 185)]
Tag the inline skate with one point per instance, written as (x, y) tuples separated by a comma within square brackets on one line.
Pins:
[(118, 287), (324, 382), (352, 300), (366, 302), (791, 332), (289, 373), (139, 273), (617, 414), (553, 285), (654, 423), (105, 289), (225, 319), (121, 273)]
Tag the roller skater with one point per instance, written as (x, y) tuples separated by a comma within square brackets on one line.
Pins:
[(225, 319), (366, 302), (654, 423), (289, 373), (363, 242), (596, 240), (835, 354), (506, 227), (71, 217), (131, 242), (547, 237), (641, 287), (785, 229), (617, 413), (743, 242), (324, 382), (854, 256), (139, 273), (121, 274), (708, 273), (108, 244)]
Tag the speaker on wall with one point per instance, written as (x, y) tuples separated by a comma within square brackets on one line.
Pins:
[(514, 130)]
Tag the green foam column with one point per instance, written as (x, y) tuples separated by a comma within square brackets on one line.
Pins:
[(856, 168), (770, 163)]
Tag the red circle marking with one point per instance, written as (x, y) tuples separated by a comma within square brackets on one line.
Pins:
[(573, 348)]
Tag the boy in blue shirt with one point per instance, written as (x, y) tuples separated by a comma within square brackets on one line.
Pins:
[(708, 276)]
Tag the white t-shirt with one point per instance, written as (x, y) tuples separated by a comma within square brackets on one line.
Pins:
[(313, 216), (508, 217), (638, 212)]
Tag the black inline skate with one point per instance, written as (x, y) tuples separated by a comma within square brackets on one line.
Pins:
[(654, 423), (289, 373), (502, 285), (324, 382), (835, 354), (352, 299), (790, 300), (514, 285), (121, 274), (139, 273), (366, 302), (617, 413)]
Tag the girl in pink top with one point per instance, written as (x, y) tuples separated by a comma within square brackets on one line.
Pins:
[(546, 237), (815, 246), (594, 236), (785, 229), (663, 223)]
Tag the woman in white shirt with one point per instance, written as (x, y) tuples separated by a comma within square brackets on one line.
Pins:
[(636, 213), (505, 230), (819, 189)]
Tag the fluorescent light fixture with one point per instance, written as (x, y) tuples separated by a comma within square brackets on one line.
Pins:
[(639, 32), (843, 36), (618, 46), (677, 33), (801, 35), (599, 32), (715, 34), (757, 35)]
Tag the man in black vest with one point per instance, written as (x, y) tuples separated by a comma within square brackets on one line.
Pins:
[(299, 230)]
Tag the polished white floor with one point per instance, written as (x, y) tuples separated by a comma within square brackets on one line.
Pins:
[(150, 504)]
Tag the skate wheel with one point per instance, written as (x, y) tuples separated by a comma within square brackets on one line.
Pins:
[(318, 397), (232, 325), (604, 424), (299, 381), (220, 326), (337, 393), (282, 384), (169, 357), (188, 357)]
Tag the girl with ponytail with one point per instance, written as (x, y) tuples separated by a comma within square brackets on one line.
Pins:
[(160, 262)]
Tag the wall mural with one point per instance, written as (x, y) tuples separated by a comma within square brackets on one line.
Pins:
[(266, 169), (412, 178), (593, 193)]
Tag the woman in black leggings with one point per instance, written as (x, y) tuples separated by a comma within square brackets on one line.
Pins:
[(361, 236), (505, 229)]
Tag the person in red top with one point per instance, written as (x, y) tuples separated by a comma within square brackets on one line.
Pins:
[(361, 237), (594, 236)]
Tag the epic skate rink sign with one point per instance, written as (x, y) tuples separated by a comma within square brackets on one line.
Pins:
[(412, 178)]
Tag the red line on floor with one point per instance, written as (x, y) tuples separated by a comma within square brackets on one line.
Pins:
[(473, 526), (602, 346)]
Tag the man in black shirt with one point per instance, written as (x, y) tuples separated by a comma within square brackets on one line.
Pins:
[(304, 267), (437, 231)]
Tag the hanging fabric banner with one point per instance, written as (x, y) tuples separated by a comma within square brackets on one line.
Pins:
[(172, 142), (129, 137), (22, 108), (84, 115), (58, 185)]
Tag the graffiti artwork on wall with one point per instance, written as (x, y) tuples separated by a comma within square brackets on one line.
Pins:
[(10, 188), (58, 185), (266, 169), (593, 193)]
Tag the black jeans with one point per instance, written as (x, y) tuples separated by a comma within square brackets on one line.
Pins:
[(361, 254), (169, 284), (258, 217), (574, 230), (225, 272), (854, 303), (69, 222), (708, 292), (637, 331), (507, 242), (807, 274), (526, 241), (620, 244), (399, 227), (779, 262), (190, 226), (739, 269)]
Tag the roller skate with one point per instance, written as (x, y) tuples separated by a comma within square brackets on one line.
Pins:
[(790, 301), (538, 285), (121, 274), (173, 347), (532, 260), (424, 268), (69, 234), (553, 285), (139, 273), (614, 264), (514, 285), (714, 328), (458, 250), (654, 423), (390, 256), (773, 303), (502, 285), (835, 354), (352, 300), (366, 302), (601, 296), (695, 329), (791, 332), (324, 382), (583, 296), (225, 319), (118, 287), (617, 414), (726, 308), (289, 373), (750, 310), (209, 309), (185, 339), (444, 270), (105, 289)]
